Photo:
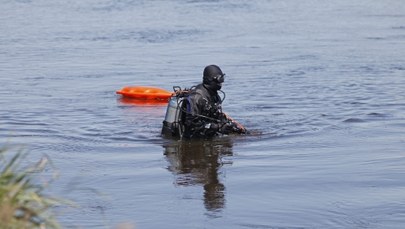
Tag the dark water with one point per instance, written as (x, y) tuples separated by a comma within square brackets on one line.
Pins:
[(320, 83)]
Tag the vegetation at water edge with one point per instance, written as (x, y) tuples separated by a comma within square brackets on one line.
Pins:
[(23, 203)]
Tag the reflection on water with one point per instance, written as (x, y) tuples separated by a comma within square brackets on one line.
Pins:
[(141, 102), (198, 162)]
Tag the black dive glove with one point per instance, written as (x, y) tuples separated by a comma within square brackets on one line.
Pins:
[(228, 127), (225, 128), (221, 128)]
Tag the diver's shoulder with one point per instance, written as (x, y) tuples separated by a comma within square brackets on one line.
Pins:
[(198, 90)]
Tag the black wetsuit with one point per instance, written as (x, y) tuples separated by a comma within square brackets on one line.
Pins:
[(204, 113)]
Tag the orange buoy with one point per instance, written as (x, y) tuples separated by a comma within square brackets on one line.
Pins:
[(145, 93)]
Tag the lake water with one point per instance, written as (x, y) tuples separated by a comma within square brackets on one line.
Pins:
[(320, 84)]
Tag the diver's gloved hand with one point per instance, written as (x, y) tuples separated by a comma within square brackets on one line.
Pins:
[(232, 127), (227, 128), (222, 128)]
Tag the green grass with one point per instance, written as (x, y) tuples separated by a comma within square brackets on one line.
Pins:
[(23, 203)]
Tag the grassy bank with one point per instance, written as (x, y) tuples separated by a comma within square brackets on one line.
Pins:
[(23, 203)]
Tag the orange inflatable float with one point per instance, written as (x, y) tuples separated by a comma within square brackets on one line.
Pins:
[(145, 93)]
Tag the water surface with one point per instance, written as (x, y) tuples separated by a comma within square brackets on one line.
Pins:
[(321, 84)]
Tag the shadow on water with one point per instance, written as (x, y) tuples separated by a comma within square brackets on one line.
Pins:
[(199, 162)]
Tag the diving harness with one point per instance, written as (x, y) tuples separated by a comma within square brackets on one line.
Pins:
[(173, 124)]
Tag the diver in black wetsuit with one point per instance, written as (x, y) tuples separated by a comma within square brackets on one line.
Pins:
[(204, 117)]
